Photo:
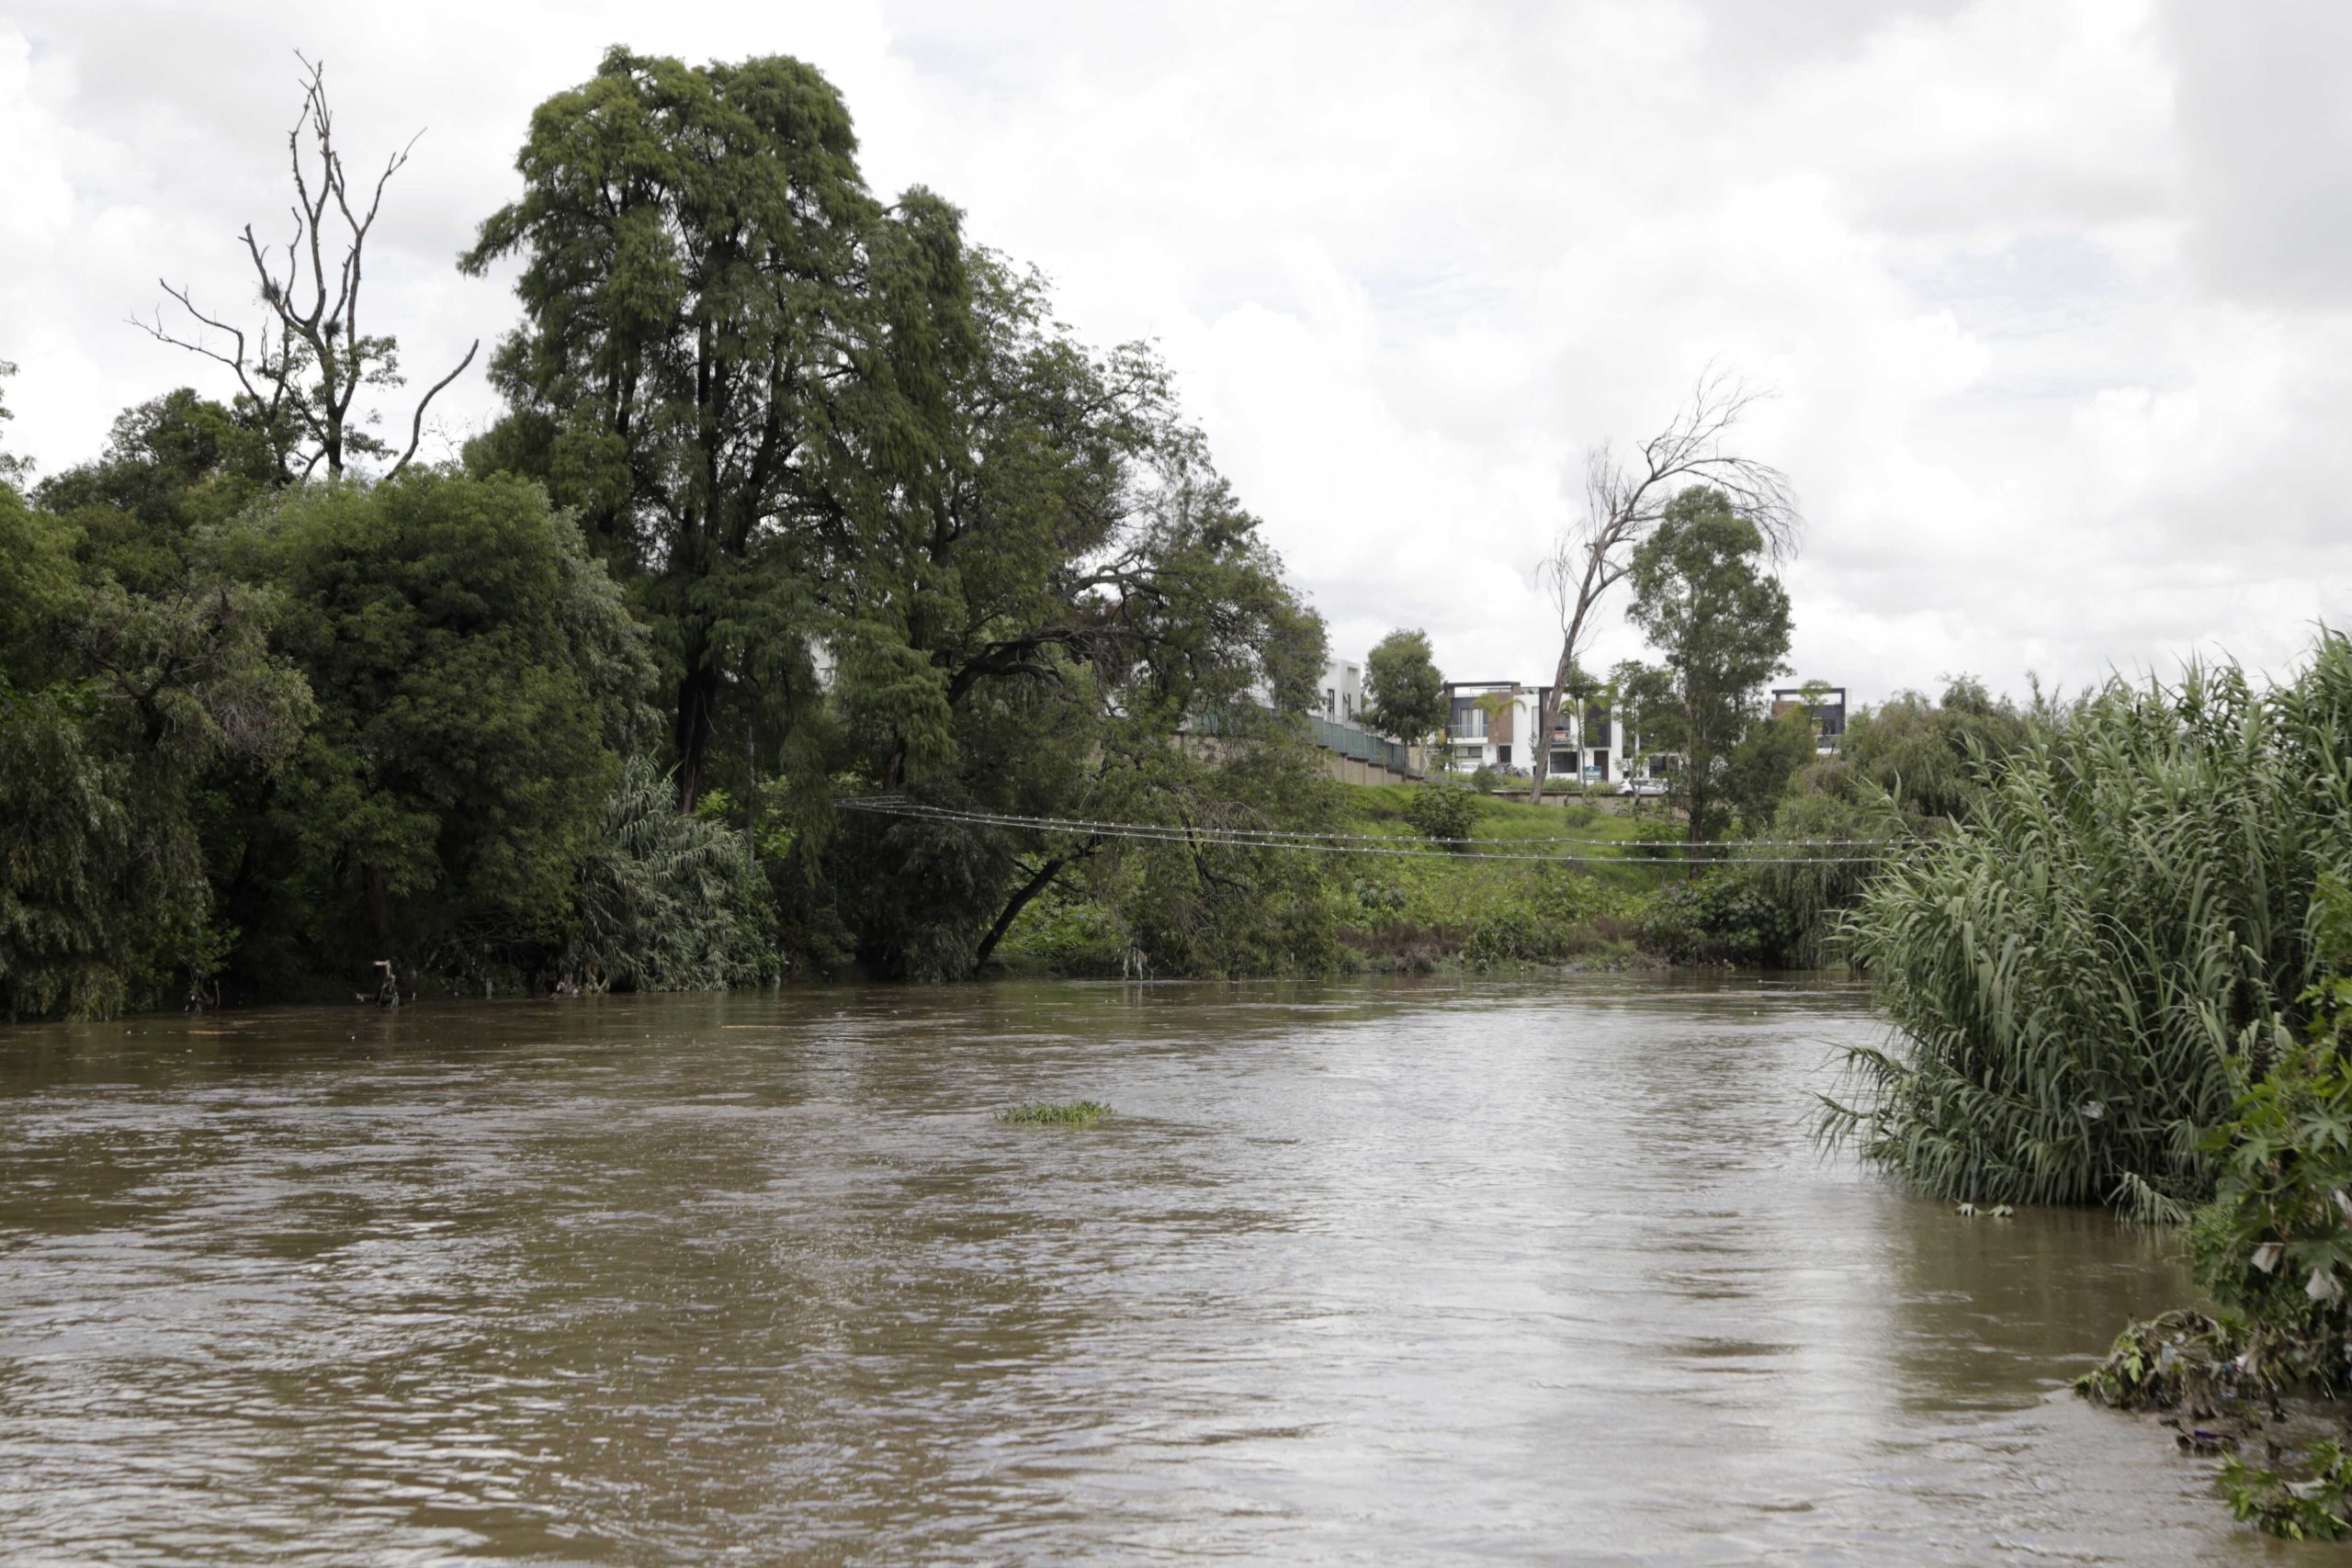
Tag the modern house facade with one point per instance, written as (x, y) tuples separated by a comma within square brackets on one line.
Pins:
[(1824, 703), (1486, 723), (1496, 723)]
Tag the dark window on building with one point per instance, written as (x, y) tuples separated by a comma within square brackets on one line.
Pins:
[(1502, 755)]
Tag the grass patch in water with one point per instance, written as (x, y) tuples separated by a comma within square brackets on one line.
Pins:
[(1077, 1113)]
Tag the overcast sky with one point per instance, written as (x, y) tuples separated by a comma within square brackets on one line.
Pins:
[(2053, 295)]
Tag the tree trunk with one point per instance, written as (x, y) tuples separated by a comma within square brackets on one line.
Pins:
[(1018, 902), (697, 699), (1547, 708)]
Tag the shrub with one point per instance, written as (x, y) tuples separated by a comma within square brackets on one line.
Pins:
[(1444, 810), (2274, 1247), (1817, 887), (2274, 1250), (1380, 896), (1724, 917), (1561, 915)]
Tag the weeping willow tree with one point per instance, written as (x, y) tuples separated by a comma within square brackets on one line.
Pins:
[(667, 902), (1814, 887), (2086, 974)]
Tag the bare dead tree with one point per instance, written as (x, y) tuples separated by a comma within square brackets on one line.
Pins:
[(1625, 495), (300, 371)]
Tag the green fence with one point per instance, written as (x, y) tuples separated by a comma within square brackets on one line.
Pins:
[(1350, 741), (1344, 738)]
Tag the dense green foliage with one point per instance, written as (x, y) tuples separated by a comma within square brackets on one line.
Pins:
[(1720, 623), (1403, 693), (118, 709), (667, 901), (797, 497), (2276, 1242), (2274, 1252), (734, 361), (1444, 809), (2087, 973), (1929, 759), (1905, 770), (1720, 918), (477, 679)]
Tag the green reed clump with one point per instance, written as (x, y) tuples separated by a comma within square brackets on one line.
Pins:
[(2112, 948), (1076, 1113)]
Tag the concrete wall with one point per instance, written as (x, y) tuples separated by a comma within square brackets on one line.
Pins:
[(1355, 769)]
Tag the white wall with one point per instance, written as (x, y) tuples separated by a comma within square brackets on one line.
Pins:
[(1341, 697)]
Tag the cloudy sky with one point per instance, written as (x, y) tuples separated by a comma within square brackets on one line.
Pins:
[(2053, 293)]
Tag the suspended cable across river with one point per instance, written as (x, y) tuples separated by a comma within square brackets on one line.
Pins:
[(1628, 852)]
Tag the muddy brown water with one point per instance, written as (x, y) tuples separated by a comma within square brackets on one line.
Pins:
[(1379, 1273)]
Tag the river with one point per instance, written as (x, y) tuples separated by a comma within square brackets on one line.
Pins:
[(1459, 1271)]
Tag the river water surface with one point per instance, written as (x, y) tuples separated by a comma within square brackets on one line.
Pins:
[(1388, 1273)]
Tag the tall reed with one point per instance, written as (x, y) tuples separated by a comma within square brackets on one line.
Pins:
[(2085, 976)]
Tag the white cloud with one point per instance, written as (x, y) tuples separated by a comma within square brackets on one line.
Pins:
[(2041, 286)]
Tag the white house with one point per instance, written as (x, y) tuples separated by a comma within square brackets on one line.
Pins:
[(1494, 724), (1343, 692)]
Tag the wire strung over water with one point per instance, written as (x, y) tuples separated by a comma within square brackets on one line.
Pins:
[(1628, 852)]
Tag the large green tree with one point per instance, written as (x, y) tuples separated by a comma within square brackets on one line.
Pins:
[(1764, 763), (734, 361), (1403, 693), (478, 679), (173, 466), (1720, 624), (120, 709), (1085, 595), (13, 470)]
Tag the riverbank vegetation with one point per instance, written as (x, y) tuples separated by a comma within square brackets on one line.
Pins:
[(799, 500), (2115, 942), (2123, 975), (2272, 1251), (800, 496)]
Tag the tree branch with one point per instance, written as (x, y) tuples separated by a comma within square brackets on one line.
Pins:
[(416, 424)]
